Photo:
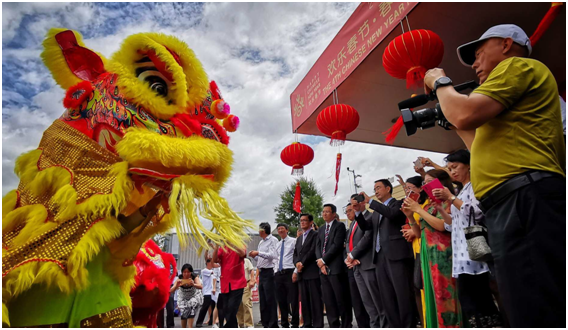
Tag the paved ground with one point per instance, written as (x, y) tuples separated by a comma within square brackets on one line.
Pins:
[(255, 315)]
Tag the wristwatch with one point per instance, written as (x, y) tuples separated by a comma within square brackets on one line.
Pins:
[(441, 82), (452, 199)]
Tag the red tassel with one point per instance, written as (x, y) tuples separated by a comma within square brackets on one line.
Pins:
[(545, 23), (415, 77), (338, 138), (298, 198), (392, 132), (337, 170)]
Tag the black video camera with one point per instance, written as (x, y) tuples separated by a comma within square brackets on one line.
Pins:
[(428, 117)]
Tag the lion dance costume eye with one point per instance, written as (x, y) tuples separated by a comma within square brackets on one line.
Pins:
[(141, 147)]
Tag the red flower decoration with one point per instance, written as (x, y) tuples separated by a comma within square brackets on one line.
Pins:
[(77, 94)]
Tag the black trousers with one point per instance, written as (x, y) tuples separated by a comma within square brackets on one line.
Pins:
[(363, 320), (337, 300), (170, 312), (267, 295), (228, 306), (396, 290), (312, 304), (287, 295), (527, 235), (207, 302), (476, 300)]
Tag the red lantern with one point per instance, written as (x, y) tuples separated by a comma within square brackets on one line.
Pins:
[(411, 54), (297, 155), (337, 121)]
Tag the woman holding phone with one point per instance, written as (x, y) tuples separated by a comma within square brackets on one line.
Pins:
[(473, 277), (413, 188), (190, 297), (440, 289)]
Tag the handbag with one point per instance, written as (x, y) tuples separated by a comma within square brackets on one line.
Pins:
[(418, 284), (476, 238)]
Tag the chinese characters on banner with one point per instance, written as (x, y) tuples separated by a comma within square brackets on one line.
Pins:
[(369, 24)]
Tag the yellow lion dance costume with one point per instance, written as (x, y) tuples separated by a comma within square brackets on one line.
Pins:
[(141, 147)]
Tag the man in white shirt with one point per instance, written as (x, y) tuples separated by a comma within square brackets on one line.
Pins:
[(207, 278), (286, 278), (266, 257)]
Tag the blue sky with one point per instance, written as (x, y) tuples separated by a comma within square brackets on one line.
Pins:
[(257, 52)]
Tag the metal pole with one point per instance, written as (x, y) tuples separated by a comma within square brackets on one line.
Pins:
[(354, 179)]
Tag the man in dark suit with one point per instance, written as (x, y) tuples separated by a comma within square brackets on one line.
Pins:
[(353, 236), (392, 255), (333, 272), (308, 274)]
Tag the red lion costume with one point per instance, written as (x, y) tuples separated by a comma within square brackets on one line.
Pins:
[(152, 289)]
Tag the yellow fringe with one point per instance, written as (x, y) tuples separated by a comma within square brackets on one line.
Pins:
[(114, 203), (57, 180), (195, 154), (90, 245), (36, 213), (55, 61), (26, 165), (65, 199), (228, 227), (22, 278), (5, 318), (190, 80), (9, 202), (34, 218), (49, 180)]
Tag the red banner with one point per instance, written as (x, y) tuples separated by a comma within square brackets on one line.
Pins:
[(337, 170), (369, 24), (298, 198)]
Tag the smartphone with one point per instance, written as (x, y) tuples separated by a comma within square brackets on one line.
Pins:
[(359, 198), (418, 163), (414, 196), (434, 184)]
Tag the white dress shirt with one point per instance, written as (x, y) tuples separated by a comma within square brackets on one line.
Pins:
[(305, 234), (267, 253), (289, 246), (324, 228)]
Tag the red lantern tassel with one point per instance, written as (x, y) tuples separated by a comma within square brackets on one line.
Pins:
[(338, 138), (298, 198), (546, 21), (337, 170), (415, 77), (392, 132), (297, 170)]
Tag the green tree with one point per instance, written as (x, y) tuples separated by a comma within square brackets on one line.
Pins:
[(312, 203)]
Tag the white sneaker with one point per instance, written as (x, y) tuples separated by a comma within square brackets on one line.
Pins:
[(215, 325)]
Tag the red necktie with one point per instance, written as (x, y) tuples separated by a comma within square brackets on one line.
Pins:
[(351, 237)]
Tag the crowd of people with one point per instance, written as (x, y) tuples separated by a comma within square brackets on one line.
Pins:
[(468, 246)]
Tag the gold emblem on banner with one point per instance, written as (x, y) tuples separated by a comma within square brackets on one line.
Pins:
[(299, 106)]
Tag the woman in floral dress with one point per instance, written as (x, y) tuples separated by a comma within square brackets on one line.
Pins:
[(190, 297), (442, 307)]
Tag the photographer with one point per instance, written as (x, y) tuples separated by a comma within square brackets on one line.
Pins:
[(518, 161)]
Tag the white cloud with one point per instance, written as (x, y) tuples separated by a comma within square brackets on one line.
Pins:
[(284, 38)]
